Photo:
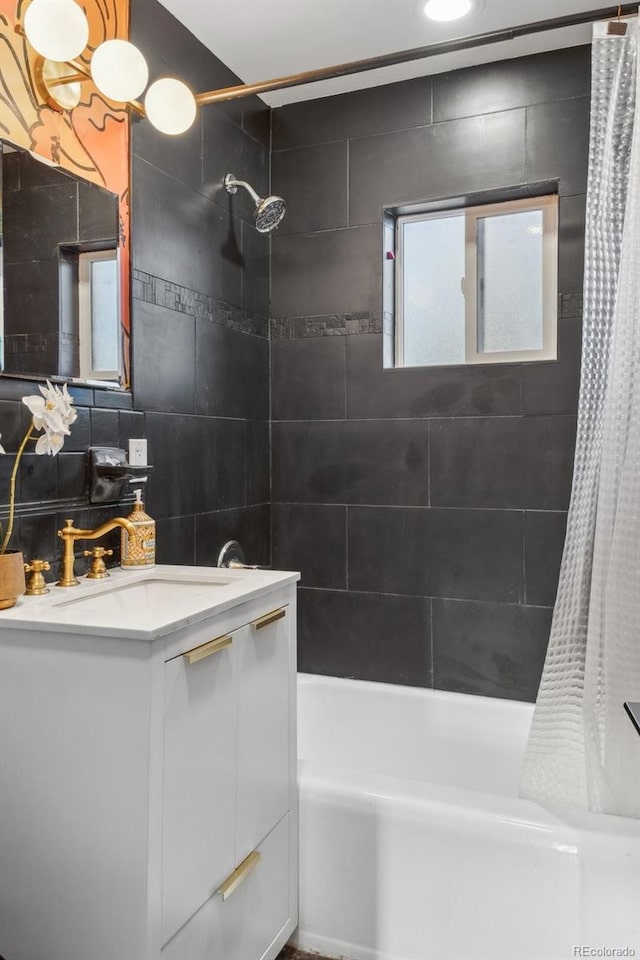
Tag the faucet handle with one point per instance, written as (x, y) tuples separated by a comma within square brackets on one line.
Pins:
[(98, 569), (68, 525), (37, 585), (98, 552)]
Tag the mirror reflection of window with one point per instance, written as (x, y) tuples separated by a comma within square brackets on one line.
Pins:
[(52, 223), (99, 319)]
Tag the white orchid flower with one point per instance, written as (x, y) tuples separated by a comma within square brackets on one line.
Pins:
[(61, 401), (50, 443), (53, 412)]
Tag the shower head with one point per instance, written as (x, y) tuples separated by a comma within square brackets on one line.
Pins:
[(269, 210), (269, 213)]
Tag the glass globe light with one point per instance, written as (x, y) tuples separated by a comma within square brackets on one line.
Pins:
[(119, 70), (170, 105), (56, 29)]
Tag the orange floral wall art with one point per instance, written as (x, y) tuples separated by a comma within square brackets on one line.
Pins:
[(92, 139)]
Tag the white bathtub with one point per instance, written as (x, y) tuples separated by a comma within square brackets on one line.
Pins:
[(415, 846)]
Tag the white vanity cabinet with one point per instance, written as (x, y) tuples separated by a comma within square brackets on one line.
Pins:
[(226, 766), (147, 788)]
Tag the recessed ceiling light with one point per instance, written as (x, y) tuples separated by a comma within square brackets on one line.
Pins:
[(444, 10)]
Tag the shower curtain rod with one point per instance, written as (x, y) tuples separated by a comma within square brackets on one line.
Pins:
[(417, 53)]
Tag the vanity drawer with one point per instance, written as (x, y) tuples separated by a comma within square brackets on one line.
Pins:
[(199, 788), (244, 924)]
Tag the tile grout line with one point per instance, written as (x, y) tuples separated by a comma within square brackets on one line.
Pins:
[(524, 559), (348, 183), (429, 463), (421, 126), (431, 597), (346, 546), (414, 506), (428, 416), (346, 379), (374, 223), (431, 670)]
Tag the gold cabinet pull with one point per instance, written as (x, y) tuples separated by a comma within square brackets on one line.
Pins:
[(206, 649), (234, 880), (269, 618)]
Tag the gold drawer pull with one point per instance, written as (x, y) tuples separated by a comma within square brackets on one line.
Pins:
[(239, 874), (206, 649), (269, 618)]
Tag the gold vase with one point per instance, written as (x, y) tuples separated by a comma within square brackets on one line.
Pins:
[(12, 583)]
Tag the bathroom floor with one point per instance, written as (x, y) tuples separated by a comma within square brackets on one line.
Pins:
[(290, 953)]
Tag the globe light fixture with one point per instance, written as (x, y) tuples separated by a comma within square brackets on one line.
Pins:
[(446, 10), (56, 29), (119, 70), (170, 106)]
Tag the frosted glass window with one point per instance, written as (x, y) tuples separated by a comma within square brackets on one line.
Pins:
[(477, 284), (104, 316), (99, 315), (433, 299), (510, 282)]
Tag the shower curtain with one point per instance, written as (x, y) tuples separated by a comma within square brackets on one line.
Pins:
[(583, 751)]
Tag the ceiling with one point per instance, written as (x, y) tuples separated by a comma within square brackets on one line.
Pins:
[(261, 39)]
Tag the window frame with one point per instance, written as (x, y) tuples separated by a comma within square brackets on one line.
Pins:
[(548, 205), (85, 316)]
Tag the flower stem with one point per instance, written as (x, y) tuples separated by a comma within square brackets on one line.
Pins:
[(12, 489)]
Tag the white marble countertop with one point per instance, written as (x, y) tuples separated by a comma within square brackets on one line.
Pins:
[(142, 604)]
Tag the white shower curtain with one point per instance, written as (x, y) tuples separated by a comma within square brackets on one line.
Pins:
[(583, 751)]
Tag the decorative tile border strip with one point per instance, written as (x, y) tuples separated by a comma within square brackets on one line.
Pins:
[(352, 324), (325, 325), (181, 299)]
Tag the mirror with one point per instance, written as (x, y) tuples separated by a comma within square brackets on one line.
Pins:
[(60, 272)]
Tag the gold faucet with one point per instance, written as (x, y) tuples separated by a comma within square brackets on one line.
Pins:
[(69, 534)]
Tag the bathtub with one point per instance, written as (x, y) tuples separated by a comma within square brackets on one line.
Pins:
[(415, 846)]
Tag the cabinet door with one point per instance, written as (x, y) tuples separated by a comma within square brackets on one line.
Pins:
[(263, 728), (200, 749)]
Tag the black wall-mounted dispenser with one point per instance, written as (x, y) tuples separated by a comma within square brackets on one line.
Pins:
[(111, 476)]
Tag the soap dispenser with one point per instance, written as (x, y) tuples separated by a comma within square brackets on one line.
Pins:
[(139, 551)]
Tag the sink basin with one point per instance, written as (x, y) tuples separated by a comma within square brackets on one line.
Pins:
[(142, 604), (145, 597), (142, 601)]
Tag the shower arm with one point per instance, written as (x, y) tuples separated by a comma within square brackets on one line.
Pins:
[(232, 185)]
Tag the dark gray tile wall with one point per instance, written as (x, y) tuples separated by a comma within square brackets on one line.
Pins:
[(425, 507), (385, 635), (200, 347), (403, 167)]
